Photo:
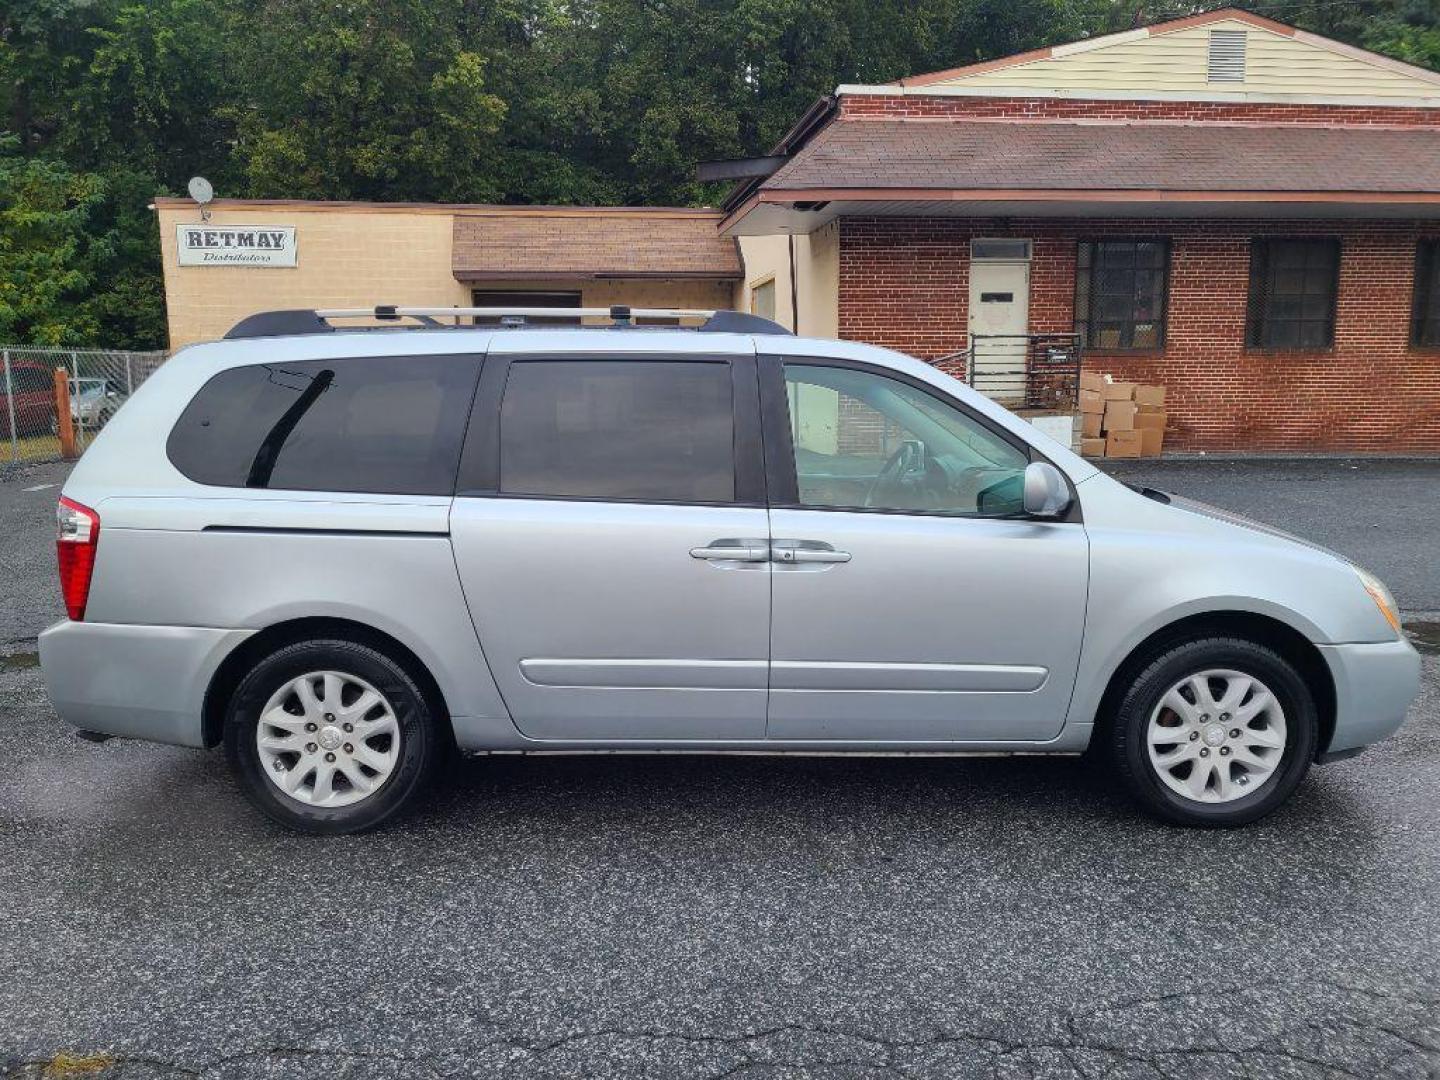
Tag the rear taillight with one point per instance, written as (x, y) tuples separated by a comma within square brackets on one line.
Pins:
[(75, 542)]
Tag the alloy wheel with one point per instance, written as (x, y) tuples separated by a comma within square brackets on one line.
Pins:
[(328, 738), (1216, 736)]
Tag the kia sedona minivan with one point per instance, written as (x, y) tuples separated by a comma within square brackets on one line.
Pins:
[(344, 553)]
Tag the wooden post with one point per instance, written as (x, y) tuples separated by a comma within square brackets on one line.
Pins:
[(63, 421)]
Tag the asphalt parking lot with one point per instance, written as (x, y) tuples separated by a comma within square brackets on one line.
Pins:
[(739, 917)]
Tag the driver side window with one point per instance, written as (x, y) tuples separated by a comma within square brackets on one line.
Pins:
[(867, 441)]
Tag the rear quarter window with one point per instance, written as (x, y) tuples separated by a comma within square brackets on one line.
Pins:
[(381, 425)]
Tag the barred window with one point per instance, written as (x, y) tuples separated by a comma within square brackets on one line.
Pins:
[(1425, 316), (1120, 290), (1293, 287)]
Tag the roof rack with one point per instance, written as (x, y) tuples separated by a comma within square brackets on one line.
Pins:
[(318, 321)]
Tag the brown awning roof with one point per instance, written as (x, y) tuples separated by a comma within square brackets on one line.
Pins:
[(593, 243), (920, 155)]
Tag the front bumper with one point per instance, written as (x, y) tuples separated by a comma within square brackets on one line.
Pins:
[(1374, 685), (138, 682)]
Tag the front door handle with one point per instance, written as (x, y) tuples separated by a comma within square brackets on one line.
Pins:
[(806, 551), (733, 551)]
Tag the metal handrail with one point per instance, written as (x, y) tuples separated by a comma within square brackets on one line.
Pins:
[(1030, 377)]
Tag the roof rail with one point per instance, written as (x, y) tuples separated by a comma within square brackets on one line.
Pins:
[(278, 323), (740, 322), (308, 321)]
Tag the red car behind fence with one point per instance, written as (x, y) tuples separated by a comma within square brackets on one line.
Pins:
[(29, 398)]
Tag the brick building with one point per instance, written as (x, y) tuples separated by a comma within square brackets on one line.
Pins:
[(1244, 212)]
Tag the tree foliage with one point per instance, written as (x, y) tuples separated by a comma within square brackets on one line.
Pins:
[(105, 103)]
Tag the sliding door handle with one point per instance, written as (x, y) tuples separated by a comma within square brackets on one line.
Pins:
[(800, 555), (733, 551), (810, 555), (807, 551)]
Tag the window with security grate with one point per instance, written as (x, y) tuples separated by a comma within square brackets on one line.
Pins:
[(1120, 294), (1226, 57), (1293, 287), (1425, 314)]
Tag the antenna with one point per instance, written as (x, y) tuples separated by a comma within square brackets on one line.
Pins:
[(202, 193)]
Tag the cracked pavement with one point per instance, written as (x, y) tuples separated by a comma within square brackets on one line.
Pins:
[(745, 917)]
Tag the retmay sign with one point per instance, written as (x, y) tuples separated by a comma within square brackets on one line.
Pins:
[(235, 245)]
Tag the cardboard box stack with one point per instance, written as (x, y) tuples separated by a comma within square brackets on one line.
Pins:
[(1120, 419)]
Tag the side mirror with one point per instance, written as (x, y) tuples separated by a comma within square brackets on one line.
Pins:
[(1047, 495)]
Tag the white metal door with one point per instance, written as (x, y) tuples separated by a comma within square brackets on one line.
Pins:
[(999, 319)]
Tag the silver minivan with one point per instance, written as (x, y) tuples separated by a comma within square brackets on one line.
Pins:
[(345, 553)]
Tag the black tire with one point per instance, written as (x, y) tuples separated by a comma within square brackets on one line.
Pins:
[(421, 744), (1126, 730)]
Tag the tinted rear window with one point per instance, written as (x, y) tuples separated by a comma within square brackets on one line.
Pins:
[(387, 425), (646, 430)]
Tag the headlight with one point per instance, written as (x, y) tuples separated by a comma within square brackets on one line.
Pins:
[(1383, 600)]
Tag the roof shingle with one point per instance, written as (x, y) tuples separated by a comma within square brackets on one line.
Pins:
[(585, 243), (1087, 156)]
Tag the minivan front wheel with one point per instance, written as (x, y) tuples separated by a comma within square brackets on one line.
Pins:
[(1217, 731), (331, 736)]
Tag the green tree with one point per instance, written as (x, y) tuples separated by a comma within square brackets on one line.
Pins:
[(46, 253), (151, 96), (42, 43), (382, 100), (79, 260), (110, 102), (1409, 32)]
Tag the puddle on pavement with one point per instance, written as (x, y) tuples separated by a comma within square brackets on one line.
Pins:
[(20, 661), (1425, 636)]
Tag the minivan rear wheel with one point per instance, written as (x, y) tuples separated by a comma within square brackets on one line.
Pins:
[(331, 736), (1217, 732)]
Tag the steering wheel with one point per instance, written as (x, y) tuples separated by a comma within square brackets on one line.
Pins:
[(909, 454)]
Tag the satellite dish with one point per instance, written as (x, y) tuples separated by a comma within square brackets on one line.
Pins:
[(200, 190)]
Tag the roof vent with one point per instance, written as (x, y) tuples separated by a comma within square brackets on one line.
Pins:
[(1227, 56)]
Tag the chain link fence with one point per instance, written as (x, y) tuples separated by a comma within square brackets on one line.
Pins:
[(95, 384)]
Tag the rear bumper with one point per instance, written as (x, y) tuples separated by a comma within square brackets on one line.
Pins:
[(1374, 686), (138, 682)]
